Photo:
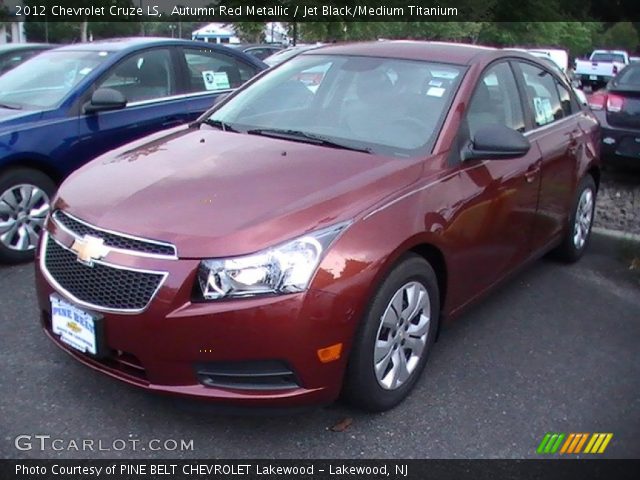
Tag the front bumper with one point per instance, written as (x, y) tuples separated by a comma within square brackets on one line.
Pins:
[(166, 347), (620, 145)]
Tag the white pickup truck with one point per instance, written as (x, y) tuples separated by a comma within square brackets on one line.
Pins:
[(601, 67)]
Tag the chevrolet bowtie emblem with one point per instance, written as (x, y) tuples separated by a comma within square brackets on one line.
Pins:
[(89, 249)]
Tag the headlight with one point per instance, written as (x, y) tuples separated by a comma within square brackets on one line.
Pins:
[(286, 268)]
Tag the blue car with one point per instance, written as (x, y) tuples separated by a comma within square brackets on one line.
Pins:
[(66, 106)]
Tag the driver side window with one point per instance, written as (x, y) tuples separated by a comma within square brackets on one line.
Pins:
[(144, 76), (496, 101)]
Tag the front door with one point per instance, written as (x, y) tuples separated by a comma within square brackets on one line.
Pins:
[(493, 225)]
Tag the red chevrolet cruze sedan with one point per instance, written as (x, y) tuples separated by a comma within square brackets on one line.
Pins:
[(301, 240)]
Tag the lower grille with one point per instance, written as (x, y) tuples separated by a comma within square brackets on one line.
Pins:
[(253, 375), (101, 286)]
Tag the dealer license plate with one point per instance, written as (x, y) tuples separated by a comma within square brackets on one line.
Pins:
[(74, 326), (593, 77)]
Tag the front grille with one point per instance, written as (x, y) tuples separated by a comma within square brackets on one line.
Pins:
[(113, 240), (251, 375), (101, 286)]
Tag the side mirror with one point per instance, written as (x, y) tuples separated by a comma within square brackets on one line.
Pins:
[(105, 99), (496, 142)]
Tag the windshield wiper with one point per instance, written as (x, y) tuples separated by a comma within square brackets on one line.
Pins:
[(305, 137), (224, 126), (12, 106)]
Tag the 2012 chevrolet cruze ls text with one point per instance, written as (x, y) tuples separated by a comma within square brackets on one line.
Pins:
[(308, 236)]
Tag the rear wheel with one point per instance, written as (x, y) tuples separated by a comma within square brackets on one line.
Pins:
[(578, 234), (395, 338), (25, 197)]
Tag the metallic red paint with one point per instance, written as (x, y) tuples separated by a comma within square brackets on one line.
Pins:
[(218, 194)]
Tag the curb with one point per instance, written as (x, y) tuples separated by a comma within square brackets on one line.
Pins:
[(616, 235)]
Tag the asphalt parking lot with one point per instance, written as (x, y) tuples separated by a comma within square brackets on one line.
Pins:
[(557, 349)]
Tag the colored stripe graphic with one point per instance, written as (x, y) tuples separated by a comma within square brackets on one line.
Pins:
[(550, 443), (566, 445), (598, 442), (583, 439), (572, 443), (543, 443)]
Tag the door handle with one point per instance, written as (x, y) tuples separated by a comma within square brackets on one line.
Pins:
[(573, 142), (532, 172)]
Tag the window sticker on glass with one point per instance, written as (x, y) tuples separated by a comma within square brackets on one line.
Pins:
[(215, 80), (85, 70), (435, 91), (544, 112)]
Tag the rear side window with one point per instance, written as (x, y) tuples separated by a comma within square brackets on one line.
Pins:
[(496, 100), (542, 95), (607, 57), (209, 70)]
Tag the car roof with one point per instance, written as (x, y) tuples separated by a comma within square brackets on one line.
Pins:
[(455, 53), (14, 47), (131, 43), (241, 46), (127, 45)]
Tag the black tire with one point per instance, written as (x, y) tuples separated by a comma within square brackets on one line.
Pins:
[(361, 386), (568, 251), (9, 179)]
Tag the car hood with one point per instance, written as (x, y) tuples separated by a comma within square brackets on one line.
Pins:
[(214, 193), (9, 117)]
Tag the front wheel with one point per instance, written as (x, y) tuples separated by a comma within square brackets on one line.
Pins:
[(578, 233), (395, 338), (25, 198)]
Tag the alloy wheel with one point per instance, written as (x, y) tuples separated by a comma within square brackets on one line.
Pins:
[(402, 335), (583, 219), (23, 210)]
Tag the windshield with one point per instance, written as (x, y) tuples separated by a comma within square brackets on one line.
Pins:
[(44, 80), (380, 105), (607, 57), (279, 57)]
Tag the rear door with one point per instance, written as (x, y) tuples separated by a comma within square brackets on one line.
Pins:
[(553, 110)]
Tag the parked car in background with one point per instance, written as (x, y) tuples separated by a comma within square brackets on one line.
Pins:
[(258, 50), (618, 110), (558, 55), (601, 67), (13, 54), (280, 253), (283, 55), (65, 106)]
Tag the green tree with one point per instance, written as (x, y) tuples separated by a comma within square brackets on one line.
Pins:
[(622, 35), (250, 32)]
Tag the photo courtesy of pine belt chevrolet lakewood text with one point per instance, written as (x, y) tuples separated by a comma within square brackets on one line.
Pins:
[(309, 235)]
